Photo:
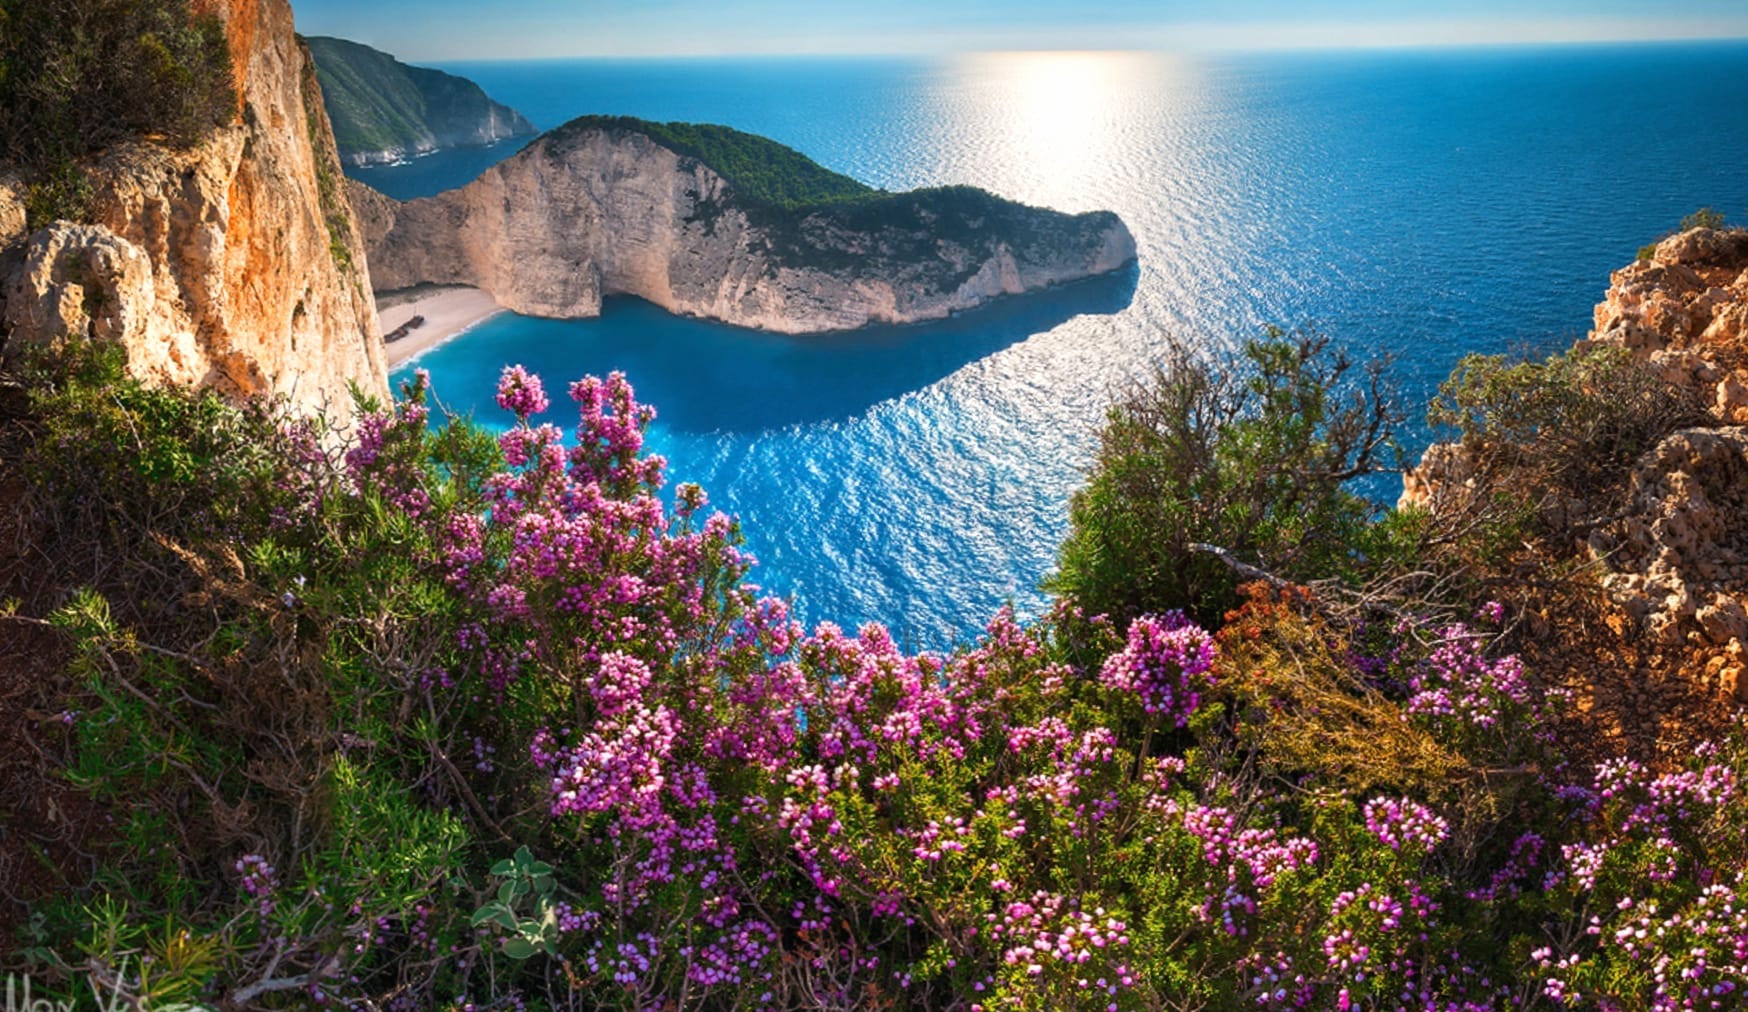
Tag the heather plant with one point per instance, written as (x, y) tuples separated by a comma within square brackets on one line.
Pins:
[(432, 718), (1644, 905)]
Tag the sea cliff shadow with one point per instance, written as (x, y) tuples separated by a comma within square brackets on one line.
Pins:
[(707, 377)]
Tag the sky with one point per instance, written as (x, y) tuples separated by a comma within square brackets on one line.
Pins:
[(448, 30)]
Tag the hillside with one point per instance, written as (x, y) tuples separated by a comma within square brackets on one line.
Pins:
[(761, 171), (384, 110), (712, 222)]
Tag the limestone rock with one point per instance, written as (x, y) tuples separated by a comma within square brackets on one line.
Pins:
[(584, 213), (11, 210), (1678, 559), (1445, 470), (83, 280), (1693, 291), (233, 264)]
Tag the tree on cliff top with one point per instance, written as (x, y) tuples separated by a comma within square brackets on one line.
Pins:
[(1254, 458)]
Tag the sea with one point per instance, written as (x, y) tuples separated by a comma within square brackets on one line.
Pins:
[(1419, 205)]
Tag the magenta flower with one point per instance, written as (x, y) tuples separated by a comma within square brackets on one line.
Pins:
[(520, 393)]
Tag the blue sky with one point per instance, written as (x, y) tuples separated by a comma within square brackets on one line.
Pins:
[(468, 29)]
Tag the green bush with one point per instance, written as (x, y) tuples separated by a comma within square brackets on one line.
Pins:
[(1705, 217), (1567, 428), (1253, 457), (79, 75)]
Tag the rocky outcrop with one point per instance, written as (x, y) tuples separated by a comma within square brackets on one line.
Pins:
[(12, 217), (1679, 555), (384, 111), (1685, 310), (1675, 558), (233, 264), (600, 209)]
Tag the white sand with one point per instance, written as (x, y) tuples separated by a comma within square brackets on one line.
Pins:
[(447, 312)]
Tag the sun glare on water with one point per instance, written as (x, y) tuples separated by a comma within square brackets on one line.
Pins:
[(1056, 116)]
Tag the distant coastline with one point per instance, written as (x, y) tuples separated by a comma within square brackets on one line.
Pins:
[(385, 112)]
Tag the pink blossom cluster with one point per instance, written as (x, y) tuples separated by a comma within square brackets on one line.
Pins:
[(257, 881), (521, 393), (1405, 825), (1460, 683), (1166, 663), (748, 812)]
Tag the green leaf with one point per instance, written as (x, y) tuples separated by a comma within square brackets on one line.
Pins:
[(507, 891), (518, 948), (485, 913), (504, 867)]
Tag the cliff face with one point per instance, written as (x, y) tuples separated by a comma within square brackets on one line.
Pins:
[(602, 210), (384, 111), (234, 264)]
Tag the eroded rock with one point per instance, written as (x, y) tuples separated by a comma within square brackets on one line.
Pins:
[(233, 264)]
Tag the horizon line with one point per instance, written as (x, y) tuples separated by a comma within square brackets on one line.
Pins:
[(1284, 47)]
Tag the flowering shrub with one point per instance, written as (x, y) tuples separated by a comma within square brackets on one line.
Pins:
[(496, 722), (1165, 662)]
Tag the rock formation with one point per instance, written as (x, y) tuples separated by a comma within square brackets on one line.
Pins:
[(1678, 560), (1685, 309), (233, 264), (384, 111), (1676, 557), (601, 207)]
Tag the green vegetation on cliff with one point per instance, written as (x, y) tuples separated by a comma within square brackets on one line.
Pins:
[(79, 75), (761, 171), (381, 107)]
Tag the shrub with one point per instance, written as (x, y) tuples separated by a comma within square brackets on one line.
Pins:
[(79, 75), (438, 720), (1705, 217), (1254, 457), (1552, 442)]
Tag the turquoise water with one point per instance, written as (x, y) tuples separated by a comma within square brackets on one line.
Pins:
[(1423, 204)]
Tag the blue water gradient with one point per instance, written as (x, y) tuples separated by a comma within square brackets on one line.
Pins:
[(1423, 204)]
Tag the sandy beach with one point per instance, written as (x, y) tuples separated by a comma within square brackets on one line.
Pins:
[(447, 311)]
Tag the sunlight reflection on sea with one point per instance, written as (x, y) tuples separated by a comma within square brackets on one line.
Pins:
[(1424, 204)]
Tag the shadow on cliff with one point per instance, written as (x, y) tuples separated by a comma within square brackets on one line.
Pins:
[(707, 377)]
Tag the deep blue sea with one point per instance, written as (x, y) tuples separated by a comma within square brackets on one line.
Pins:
[(1424, 203)]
